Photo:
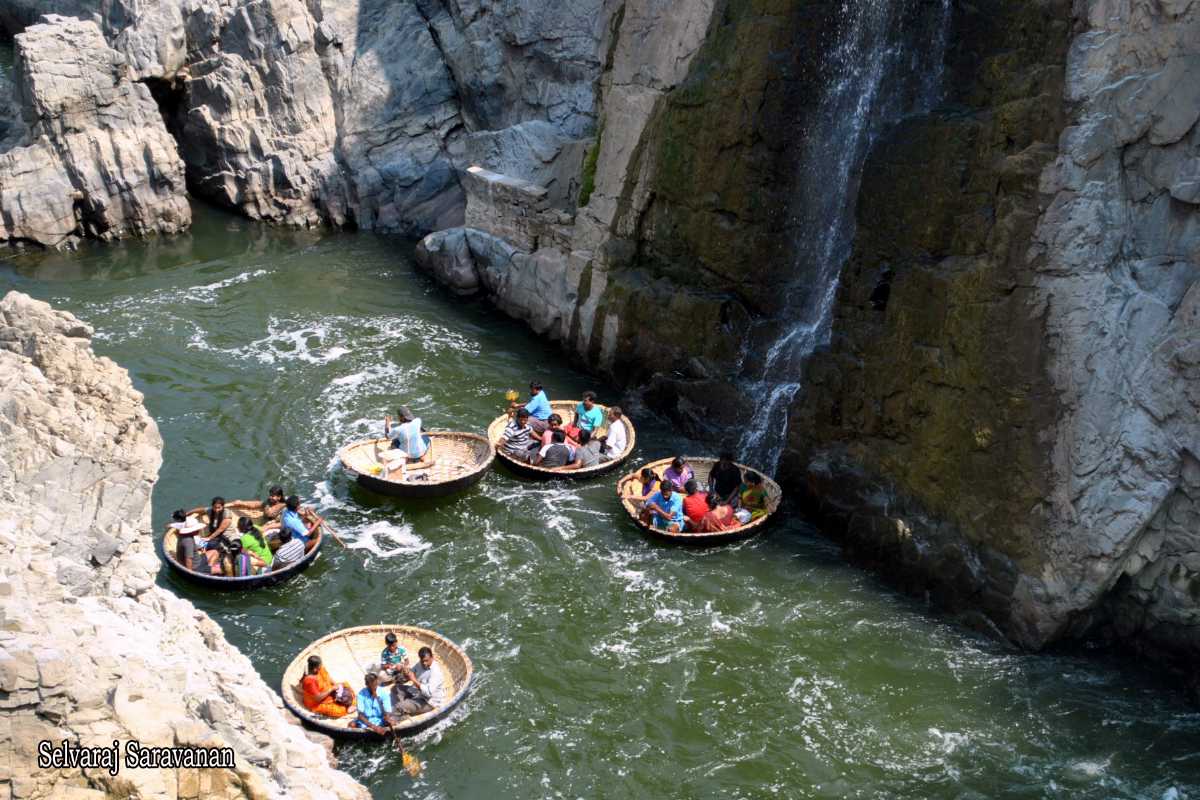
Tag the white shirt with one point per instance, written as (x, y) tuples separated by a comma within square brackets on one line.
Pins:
[(431, 683), (618, 438)]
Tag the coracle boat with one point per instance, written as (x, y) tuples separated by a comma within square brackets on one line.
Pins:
[(460, 461), (167, 550), (629, 492), (348, 654), (566, 410)]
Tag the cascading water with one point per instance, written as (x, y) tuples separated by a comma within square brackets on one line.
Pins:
[(885, 64)]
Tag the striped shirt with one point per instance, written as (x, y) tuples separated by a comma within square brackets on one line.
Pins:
[(517, 437), (289, 553)]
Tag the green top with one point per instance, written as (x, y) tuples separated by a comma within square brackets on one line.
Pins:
[(250, 542)]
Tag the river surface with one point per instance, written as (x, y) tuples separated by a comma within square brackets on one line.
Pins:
[(608, 666)]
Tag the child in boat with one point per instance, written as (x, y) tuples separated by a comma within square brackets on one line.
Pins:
[(649, 483), (321, 695), (238, 563), (392, 659), (752, 496)]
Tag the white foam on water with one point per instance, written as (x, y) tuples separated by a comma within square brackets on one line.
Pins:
[(385, 539), (209, 293), (949, 741)]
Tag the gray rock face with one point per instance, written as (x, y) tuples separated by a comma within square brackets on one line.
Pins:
[(90, 154), (1117, 254), (358, 112), (77, 564)]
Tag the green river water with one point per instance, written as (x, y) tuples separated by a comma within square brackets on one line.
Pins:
[(608, 666)]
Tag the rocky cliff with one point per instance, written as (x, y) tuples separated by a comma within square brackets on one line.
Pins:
[(1006, 416), (85, 152), (1003, 416), (353, 113), (91, 650)]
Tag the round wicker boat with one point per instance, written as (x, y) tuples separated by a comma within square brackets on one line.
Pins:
[(566, 410), (166, 549), (348, 654), (629, 492), (461, 461)]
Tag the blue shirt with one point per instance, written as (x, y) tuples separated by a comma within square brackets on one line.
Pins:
[(409, 439), (674, 505), (291, 520), (590, 420), (373, 708), (539, 406)]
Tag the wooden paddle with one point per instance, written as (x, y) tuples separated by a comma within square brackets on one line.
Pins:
[(325, 524)]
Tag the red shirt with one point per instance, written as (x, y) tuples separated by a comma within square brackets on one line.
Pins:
[(695, 506)]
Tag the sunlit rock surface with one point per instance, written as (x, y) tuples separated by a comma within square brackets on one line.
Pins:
[(86, 152), (91, 650)]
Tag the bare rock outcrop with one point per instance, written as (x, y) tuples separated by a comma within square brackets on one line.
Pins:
[(91, 651), (90, 155)]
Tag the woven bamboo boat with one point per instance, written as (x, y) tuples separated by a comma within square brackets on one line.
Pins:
[(348, 654), (629, 492), (566, 410), (167, 551), (461, 461)]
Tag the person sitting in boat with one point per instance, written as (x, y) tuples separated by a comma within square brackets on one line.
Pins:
[(290, 520), (290, 551), (719, 516), (695, 504), (220, 518), (587, 454), (678, 474), (752, 498), (665, 508), (538, 407), (422, 688), (555, 424), (237, 563), (186, 528), (588, 416), (516, 440), (725, 479), (411, 448), (375, 708), (617, 437), (391, 659), (649, 483), (556, 454), (270, 508), (323, 696), (254, 543)]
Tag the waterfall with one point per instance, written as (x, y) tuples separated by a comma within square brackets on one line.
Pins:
[(885, 64)]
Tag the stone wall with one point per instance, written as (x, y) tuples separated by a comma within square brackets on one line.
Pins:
[(91, 650)]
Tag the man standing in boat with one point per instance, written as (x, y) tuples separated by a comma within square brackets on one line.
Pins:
[(411, 449)]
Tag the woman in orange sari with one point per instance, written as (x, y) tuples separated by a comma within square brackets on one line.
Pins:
[(719, 517), (322, 695)]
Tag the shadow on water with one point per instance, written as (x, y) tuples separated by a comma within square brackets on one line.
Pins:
[(609, 665)]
